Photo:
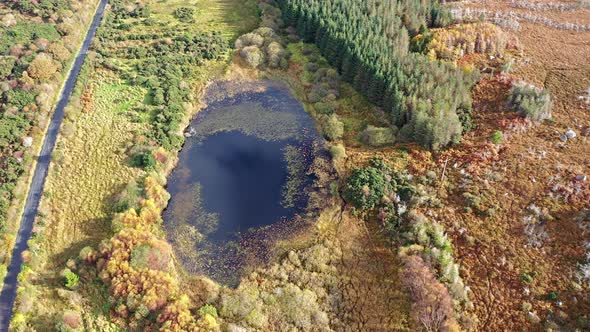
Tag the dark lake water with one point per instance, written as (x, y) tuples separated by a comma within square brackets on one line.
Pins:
[(241, 180)]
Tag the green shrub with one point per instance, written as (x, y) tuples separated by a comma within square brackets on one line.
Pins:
[(44, 8), (20, 98), (552, 296), (376, 137), (366, 187), (208, 309), (530, 102), (71, 279), (324, 108), (25, 32), (332, 127), (497, 137), (526, 278), (144, 160), (6, 65), (184, 14), (338, 151)]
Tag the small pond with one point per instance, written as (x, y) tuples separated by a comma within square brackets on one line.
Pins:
[(242, 180)]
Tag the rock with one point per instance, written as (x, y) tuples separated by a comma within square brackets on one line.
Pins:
[(580, 178), (570, 134), (28, 141), (585, 131), (563, 138), (190, 132)]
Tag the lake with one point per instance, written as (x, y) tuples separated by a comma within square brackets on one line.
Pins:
[(242, 180)]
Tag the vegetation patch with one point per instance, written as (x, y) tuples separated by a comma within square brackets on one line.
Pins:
[(530, 102)]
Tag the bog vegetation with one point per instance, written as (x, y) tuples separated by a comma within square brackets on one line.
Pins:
[(431, 276)]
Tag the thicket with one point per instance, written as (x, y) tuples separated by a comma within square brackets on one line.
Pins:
[(530, 102), (162, 63), (376, 136), (378, 185), (432, 307), (368, 42), (454, 42), (43, 8), (262, 47)]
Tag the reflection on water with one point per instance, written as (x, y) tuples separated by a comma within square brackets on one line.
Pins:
[(241, 179)]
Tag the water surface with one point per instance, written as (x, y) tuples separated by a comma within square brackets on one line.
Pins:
[(242, 179)]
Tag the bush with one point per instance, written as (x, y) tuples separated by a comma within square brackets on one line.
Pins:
[(324, 108), (332, 127), (184, 14), (497, 137), (208, 309), (253, 56), (144, 160), (530, 102), (376, 137), (338, 151), (71, 321), (432, 307), (71, 279), (366, 187), (274, 53), (155, 256), (249, 39), (43, 67), (6, 65), (552, 296), (20, 98)]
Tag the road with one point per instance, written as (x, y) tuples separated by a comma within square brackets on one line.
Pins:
[(8, 294)]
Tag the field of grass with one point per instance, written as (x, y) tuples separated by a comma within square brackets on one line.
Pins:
[(231, 17), (92, 152)]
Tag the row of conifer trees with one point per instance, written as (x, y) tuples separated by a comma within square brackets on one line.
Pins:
[(368, 42)]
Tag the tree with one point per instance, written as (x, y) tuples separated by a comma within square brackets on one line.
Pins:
[(369, 42), (432, 307), (43, 67)]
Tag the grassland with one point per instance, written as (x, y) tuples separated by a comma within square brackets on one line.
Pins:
[(91, 151)]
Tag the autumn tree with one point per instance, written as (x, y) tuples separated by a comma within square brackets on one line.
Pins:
[(432, 307), (43, 67)]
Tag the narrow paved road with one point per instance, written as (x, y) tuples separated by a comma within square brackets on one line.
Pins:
[(8, 293)]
